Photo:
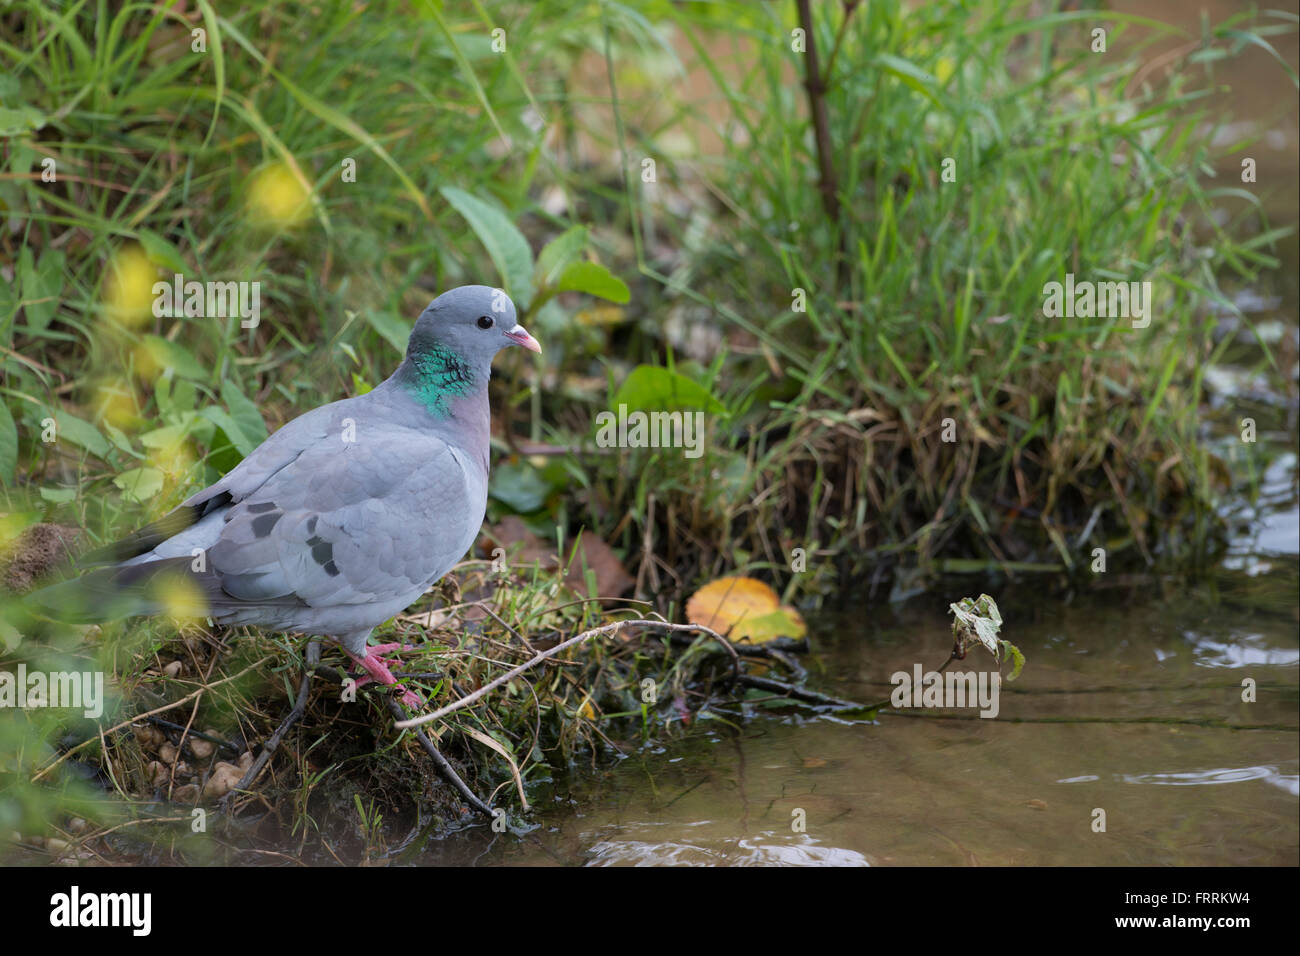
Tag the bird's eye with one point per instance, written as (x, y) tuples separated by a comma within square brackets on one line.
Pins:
[(485, 321)]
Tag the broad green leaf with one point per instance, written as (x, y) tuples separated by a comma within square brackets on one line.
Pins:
[(118, 438), (651, 388), (161, 251), (80, 433), (593, 279), (244, 412), (394, 330), (223, 420), (42, 285), (10, 636), (504, 242), (59, 496), (519, 486), (8, 445), (139, 484), (169, 355), (16, 122), (169, 436), (558, 253)]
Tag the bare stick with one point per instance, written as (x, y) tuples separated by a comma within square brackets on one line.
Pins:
[(444, 767), (816, 85), (563, 645)]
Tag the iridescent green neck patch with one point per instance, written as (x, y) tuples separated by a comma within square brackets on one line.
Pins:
[(438, 376)]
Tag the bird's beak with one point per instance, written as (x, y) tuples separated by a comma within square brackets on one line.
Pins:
[(519, 336)]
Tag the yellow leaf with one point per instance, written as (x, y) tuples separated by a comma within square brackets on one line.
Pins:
[(745, 609)]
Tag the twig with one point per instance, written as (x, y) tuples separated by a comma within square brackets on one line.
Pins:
[(563, 645), (444, 767), (798, 693), (815, 84), (159, 722), (519, 637)]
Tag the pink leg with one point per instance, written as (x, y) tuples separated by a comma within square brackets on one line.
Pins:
[(377, 670)]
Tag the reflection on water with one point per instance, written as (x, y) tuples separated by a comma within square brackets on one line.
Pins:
[(767, 848), (1242, 649), (1199, 778)]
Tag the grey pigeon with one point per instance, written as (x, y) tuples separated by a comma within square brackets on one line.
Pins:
[(344, 516)]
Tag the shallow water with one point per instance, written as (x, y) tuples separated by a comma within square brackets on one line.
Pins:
[(1103, 718)]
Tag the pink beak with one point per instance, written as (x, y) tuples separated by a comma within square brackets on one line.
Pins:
[(519, 336)]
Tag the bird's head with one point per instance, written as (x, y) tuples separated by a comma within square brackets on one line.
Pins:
[(472, 321)]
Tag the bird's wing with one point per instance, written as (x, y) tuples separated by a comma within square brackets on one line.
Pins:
[(281, 449), (357, 522)]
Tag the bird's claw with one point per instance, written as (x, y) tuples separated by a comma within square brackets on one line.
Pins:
[(377, 670)]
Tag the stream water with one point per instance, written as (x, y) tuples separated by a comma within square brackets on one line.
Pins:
[(1130, 704)]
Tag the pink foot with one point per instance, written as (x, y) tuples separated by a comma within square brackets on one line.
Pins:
[(377, 670), (389, 648)]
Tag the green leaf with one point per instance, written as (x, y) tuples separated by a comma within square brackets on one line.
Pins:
[(169, 355), (139, 484), (912, 75), (504, 242), (80, 433), (519, 486), (169, 436), (8, 445), (244, 412), (59, 496), (393, 329), (558, 253), (1017, 659), (10, 636), (119, 438), (42, 285), (24, 119), (161, 251), (651, 388), (223, 420), (593, 279)]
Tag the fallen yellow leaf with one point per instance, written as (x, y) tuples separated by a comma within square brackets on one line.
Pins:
[(745, 609)]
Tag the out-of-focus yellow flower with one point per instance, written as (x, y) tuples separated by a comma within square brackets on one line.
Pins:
[(117, 404), (277, 198), (146, 366), (128, 286), (170, 453), (11, 526), (943, 70), (180, 596)]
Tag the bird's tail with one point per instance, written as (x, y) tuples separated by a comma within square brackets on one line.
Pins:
[(167, 586)]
